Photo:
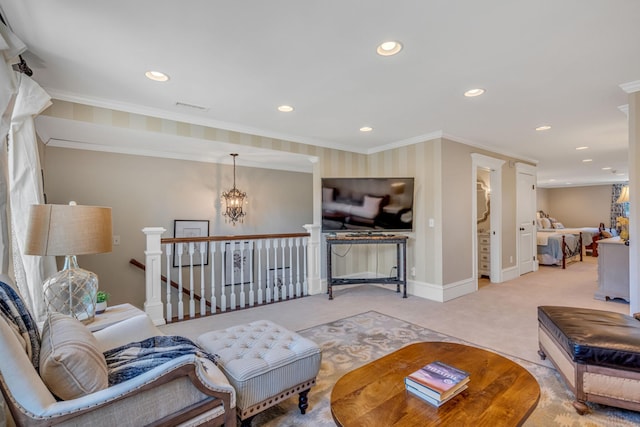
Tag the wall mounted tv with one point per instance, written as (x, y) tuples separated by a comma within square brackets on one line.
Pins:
[(367, 204)]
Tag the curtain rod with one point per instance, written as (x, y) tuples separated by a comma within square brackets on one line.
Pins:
[(21, 66)]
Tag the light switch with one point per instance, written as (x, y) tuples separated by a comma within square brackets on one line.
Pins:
[(116, 240), (432, 222)]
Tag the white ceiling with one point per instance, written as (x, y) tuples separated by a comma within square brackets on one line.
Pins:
[(541, 62)]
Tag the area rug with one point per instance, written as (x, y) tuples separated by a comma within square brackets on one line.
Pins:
[(354, 341)]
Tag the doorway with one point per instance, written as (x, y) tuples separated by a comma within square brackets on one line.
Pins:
[(487, 217)]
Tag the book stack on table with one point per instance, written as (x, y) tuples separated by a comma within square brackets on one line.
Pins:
[(437, 382)]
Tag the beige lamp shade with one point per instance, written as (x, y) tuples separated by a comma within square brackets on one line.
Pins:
[(624, 195), (69, 230)]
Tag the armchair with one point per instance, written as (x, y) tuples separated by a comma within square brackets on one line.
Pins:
[(185, 390)]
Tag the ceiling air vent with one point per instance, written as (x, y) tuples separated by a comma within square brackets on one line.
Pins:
[(191, 106)]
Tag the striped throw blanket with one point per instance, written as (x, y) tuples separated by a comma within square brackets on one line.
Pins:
[(136, 358), (17, 316)]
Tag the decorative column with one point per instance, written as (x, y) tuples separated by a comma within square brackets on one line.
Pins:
[(153, 259), (313, 259), (633, 89)]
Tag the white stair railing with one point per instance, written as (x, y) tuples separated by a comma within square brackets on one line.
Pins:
[(220, 273)]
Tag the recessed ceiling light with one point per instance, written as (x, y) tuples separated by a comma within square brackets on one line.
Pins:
[(582, 148), (607, 168), (587, 160), (366, 129), (543, 127), (389, 48), (474, 92), (157, 76), (552, 180), (285, 108)]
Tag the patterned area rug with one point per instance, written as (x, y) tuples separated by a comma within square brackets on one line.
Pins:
[(354, 341)]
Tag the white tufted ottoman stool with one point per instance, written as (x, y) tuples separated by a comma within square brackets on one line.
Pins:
[(265, 363)]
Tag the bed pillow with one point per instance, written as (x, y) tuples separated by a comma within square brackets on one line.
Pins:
[(557, 225), (545, 222), (327, 194), (71, 363)]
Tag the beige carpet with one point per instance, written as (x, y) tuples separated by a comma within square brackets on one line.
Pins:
[(354, 341), (499, 316)]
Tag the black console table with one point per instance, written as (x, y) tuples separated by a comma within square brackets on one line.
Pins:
[(377, 239)]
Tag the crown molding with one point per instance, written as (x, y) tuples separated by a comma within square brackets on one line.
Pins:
[(490, 149), (631, 87)]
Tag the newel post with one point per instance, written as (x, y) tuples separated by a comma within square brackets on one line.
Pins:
[(153, 253), (313, 259)]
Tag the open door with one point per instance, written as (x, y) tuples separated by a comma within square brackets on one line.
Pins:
[(525, 213)]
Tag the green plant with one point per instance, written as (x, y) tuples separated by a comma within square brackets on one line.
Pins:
[(102, 296)]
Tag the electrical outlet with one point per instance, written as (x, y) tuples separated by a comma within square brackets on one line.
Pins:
[(413, 272), (116, 240)]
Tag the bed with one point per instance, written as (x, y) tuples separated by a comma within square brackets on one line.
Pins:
[(557, 247)]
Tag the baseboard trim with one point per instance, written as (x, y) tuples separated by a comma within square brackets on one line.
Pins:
[(510, 273)]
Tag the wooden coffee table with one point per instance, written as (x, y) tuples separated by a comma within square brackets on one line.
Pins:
[(500, 392)]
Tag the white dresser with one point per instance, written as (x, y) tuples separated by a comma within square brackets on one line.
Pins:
[(484, 254), (613, 269)]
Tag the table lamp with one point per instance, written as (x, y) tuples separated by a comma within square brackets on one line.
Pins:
[(70, 230)]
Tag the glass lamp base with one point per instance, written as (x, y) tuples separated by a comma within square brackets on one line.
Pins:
[(73, 292)]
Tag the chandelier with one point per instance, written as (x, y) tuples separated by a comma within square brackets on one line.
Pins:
[(234, 199)]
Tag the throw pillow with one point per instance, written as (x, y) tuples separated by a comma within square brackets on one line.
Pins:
[(71, 363), (545, 222), (557, 225)]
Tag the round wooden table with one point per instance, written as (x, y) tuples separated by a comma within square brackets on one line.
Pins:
[(500, 392)]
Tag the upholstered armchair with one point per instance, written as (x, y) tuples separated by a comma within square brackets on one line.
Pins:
[(187, 390)]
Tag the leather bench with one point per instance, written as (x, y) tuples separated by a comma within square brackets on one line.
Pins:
[(597, 353), (265, 363)]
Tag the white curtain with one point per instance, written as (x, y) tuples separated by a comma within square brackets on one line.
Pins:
[(21, 99), (25, 189)]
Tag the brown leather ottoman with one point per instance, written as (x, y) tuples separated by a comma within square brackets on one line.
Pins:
[(597, 352)]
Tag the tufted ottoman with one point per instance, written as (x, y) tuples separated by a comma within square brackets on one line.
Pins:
[(265, 363)]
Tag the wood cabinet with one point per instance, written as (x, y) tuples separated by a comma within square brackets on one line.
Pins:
[(484, 254), (613, 269)]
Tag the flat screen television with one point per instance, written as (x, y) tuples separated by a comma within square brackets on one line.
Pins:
[(367, 204)]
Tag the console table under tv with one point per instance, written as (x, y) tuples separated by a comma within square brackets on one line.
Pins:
[(400, 277)]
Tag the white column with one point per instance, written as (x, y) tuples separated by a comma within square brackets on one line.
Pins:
[(313, 259), (153, 253), (633, 89)]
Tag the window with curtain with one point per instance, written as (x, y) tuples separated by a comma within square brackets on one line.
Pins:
[(618, 209)]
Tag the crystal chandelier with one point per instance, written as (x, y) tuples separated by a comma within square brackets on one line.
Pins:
[(234, 199)]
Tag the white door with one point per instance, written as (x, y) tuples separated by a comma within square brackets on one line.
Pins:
[(526, 207)]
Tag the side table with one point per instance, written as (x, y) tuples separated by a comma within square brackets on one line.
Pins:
[(113, 315)]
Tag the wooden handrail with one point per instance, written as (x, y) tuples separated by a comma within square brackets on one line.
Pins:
[(175, 285), (222, 238)]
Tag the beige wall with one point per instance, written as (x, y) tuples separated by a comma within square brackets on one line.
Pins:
[(146, 191), (580, 206), (441, 255), (542, 199)]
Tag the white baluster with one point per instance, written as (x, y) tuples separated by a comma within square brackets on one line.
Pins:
[(223, 295), (267, 244), (192, 299), (251, 294), (259, 253), (291, 294), (242, 294), (283, 282), (232, 266), (276, 288), (180, 303), (203, 298), (214, 303), (305, 283), (298, 285), (168, 306)]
